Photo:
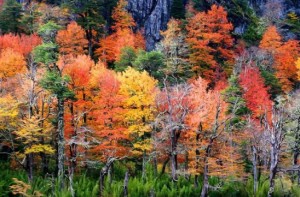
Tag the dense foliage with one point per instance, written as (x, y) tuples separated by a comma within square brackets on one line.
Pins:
[(85, 110)]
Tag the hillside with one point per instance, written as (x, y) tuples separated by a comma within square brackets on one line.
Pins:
[(160, 98)]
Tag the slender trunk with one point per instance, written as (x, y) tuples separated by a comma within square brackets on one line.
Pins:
[(297, 151), (101, 183), (164, 166), (110, 173), (71, 176), (255, 171), (144, 166), (29, 159), (155, 164), (173, 155), (205, 185), (186, 165), (103, 172), (273, 166), (196, 181), (60, 142), (125, 187)]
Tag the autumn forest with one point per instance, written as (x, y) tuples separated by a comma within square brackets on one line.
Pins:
[(93, 103)]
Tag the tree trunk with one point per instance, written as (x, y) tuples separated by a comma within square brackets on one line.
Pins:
[(126, 180), (60, 142), (173, 155), (196, 181), (30, 167), (164, 166), (144, 166), (273, 166), (255, 171), (186, 165), (103, 173), (155, 164), (205, 185)]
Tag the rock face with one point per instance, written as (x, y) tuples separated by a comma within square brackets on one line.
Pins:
[(152, 15)]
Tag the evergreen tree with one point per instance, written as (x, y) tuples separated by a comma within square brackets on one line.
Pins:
[(9, 16), (178, 9), (236, 103), (53, 81)]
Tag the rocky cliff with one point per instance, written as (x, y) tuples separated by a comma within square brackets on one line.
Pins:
[(153, 15)]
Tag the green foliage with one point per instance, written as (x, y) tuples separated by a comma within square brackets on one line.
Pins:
[(48, 31), (9, 16), (293, 21), (28, 22), (254, 31), (89, 12), (56, 84), (152, 62), (46, 53), (237, 105), (127, 57), (272, 82), (178, 9)]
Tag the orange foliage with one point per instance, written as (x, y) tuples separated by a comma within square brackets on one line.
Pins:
[(211, 43), (271, 39), (285, 54), (11, 63), (23, 44), (108, 115), (110, 46), (72, 40)]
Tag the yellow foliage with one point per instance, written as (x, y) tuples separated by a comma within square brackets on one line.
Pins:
[(30, 133), (22, 189), (139, 89), (298, 68), (8, 112)]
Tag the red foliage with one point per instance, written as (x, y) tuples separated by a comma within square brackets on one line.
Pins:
[(255, 93), (23, 44)]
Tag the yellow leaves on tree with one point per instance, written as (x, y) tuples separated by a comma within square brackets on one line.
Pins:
[(139, 90), (9, 111), (30, 133), (298, 67), (209, 36), (110, 46), (11, 63), (72, 40)]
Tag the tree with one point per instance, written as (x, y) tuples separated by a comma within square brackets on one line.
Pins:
[(255, 93), (30, 134), (208, 122), (72, 40), (22, 43), (175, 50), (139, 90), (285, 59), (10, 16), (233, 95), (123, 36), (89, 17), (271, 39), (211, 43), (55, 83), (152, 62), (11, 63), (178, 9), (173, 108)]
